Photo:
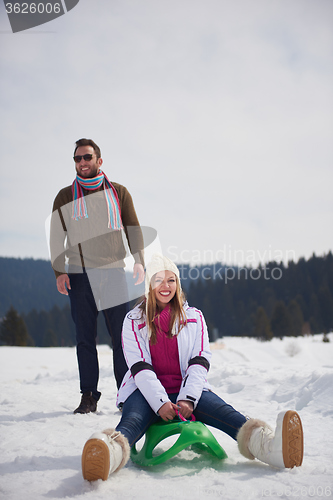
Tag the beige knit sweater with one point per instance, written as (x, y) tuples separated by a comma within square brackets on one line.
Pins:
[(89, 243)]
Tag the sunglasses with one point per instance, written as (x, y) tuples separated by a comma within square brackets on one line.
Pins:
[(86, 157)]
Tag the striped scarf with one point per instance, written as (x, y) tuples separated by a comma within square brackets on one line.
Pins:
[(111, 197)]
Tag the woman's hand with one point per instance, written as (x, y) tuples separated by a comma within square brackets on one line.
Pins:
[(168, 411), (186, 408)]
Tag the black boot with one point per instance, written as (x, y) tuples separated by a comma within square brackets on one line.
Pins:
[(88, 404)]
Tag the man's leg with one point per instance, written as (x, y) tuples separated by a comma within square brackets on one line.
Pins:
[(114, 319), (84, 314)]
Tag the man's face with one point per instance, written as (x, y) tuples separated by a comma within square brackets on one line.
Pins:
[(87, 169)]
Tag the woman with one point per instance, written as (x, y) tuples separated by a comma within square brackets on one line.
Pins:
[(166, 348)]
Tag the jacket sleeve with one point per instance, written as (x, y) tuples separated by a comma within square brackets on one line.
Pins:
[(138, 358), (198, 364), (58, 234), (132, 227)]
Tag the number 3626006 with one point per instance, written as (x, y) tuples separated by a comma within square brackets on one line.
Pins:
[(33, 8)]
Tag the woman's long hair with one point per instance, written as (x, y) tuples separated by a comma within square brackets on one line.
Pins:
[(150, 309)]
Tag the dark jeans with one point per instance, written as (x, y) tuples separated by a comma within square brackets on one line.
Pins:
[(84, 314), (137, 415)]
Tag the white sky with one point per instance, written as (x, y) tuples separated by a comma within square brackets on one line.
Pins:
[(217, 115)]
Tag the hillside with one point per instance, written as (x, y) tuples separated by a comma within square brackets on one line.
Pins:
[(28, 284)]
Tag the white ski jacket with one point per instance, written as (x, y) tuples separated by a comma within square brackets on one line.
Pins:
[(194, 358)]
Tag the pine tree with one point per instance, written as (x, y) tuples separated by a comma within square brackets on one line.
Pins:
[(281, 321), (13, 330), (315, 319), (262, 328), (296, 315), (326, 307), (50, 339)]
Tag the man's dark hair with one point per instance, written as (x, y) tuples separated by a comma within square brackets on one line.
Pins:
[(88, 142)]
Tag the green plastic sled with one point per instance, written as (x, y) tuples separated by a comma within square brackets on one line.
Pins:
[(191, 433)]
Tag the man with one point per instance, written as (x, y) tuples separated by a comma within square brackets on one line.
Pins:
[(87, 254)]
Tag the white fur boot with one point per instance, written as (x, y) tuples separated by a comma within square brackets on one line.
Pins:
[(282, 448), (104, 452)]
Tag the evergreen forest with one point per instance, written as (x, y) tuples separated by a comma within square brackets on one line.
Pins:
[(275, 300)]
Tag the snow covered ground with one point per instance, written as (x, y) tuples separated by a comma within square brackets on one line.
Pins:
[(41, 439)]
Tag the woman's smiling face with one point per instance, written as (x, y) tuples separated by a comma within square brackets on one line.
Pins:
[(164, 286)]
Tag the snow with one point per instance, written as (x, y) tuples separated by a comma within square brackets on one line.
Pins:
[(42, 440)]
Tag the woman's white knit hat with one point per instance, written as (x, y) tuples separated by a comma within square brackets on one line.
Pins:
[(159, 263)]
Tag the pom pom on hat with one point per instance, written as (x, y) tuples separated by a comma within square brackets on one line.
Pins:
[(159, 263)]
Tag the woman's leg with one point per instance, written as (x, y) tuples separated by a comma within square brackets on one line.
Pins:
[(136, 417), (212, 410)]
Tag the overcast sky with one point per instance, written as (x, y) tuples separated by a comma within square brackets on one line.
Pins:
[(217, 115)]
